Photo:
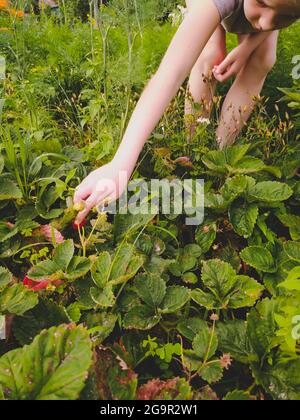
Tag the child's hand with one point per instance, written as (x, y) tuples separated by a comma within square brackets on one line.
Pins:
[(104, 185), (232, 64)]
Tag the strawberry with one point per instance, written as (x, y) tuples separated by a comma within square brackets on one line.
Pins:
[(37, 286), (28, 282), (79, 206), (76, 226), (47, 231)]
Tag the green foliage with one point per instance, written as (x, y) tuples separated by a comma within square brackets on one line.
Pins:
[(64, 265), (157, 300), (225, 289), (53, 367), (141, 306)]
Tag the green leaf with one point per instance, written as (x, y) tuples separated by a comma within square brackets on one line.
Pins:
[(205, 344), (248, 291), (101, 325), (6, 232), (82, 289), (45, 270), (130, 224), (151, 289), (249, 165), (292, 222), (5, 277), (216, 202), (237, 395), (105, 297), (243, 219), (63, 254), (207, 300), (225, 288), (1, 157), (225, 161), (270, 192), (235, 154), (218, 275), (215, 161), (125, 265), (191, 361), (293, 250), (293, 280), (53, 367), (45, 315), (17, 300), (140, 317), (176, 297), (233, 339), (235, 187), (184, 263), (262, 327), (206, 236), (190, 327), (260, 258), (281, 380), (78, 267), (101, 269), (212, 373), (193, 250), (74, 312), (9, 190), (287, 321), (190, 278)]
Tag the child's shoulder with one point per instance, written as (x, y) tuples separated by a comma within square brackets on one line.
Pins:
[(226, 7)]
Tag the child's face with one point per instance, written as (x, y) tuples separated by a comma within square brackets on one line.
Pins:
[(267, 15)]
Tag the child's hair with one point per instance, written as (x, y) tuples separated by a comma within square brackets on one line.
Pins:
[(296, 4)]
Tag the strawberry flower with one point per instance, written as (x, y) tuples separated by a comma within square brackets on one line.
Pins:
[(226, 361)]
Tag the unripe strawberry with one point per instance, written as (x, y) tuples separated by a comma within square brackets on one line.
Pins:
[(79, 206)]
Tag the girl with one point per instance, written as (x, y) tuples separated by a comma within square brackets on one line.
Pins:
[(199, 47)]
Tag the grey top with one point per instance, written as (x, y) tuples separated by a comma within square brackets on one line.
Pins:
[(233, 16)]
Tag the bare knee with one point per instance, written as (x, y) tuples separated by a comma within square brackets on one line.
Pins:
[(209, 58), (263, 61), (213, 53)]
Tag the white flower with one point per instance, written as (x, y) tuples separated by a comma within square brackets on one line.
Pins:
[(183, 10), (177, 15), (203, 120)]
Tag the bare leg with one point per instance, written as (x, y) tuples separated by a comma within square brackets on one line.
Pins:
[(239, 102), (202, 84)]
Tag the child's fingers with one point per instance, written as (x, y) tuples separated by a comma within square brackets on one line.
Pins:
[(89, 204), (222, 78), (221, 68), (81, 193), (96, 199)]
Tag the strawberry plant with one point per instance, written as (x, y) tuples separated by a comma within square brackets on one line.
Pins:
[(141, 306)]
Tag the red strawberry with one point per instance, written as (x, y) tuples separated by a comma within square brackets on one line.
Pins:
[(76, 226), (47, 231), (28, 282), (40, 286), (36, 286)]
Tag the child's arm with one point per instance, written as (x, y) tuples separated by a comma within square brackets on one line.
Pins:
[(237, 58), (184, 50)]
